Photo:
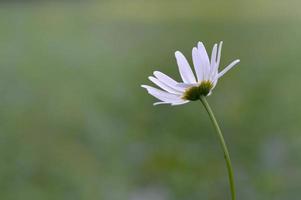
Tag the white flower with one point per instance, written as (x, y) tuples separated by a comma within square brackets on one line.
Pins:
[(192, 87)]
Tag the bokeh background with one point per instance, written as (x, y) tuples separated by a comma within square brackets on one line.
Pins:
[(75, 124)]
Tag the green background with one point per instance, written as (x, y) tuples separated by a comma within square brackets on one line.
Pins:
[(75, 124)]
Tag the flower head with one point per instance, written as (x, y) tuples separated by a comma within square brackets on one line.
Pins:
[(192, 87)]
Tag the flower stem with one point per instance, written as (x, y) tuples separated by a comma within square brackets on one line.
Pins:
[(223, 145)]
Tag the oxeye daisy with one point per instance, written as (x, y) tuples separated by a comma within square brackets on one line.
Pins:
[(192, 87)]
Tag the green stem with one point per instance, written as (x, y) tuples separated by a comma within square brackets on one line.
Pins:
[(223, 144)]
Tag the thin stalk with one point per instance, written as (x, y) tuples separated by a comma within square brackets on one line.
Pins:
[(223, 145)]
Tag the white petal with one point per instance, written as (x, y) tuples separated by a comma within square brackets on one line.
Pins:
[(214, 81), (171, 103), (214, 74), (160, 102), (204, 60), (213, 56), (161, 95), (163, 86), (228, 68), (164, 78), (203, 52), (213, 69), (167, 81), (186, 85), (180, 103), (219, 54), (184, 68), (197, 63)]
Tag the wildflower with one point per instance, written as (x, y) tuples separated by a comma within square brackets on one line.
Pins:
[(193, 87)]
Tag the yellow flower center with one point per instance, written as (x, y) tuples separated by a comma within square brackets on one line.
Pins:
[(194, 93)]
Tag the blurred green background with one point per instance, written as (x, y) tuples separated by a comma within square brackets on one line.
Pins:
[(75, 124)]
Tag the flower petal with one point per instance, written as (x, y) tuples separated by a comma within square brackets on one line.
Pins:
[(171, 103), (163, 86), (180, 103), (197, 63), (204, 60), (218, 59), (228, 68), (167, 81), (186, 85), (213, 69), (161, 95), (213, 56), (160, 102), (184, 68)]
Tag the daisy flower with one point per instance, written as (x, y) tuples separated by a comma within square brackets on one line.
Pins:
[(192, 87)]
